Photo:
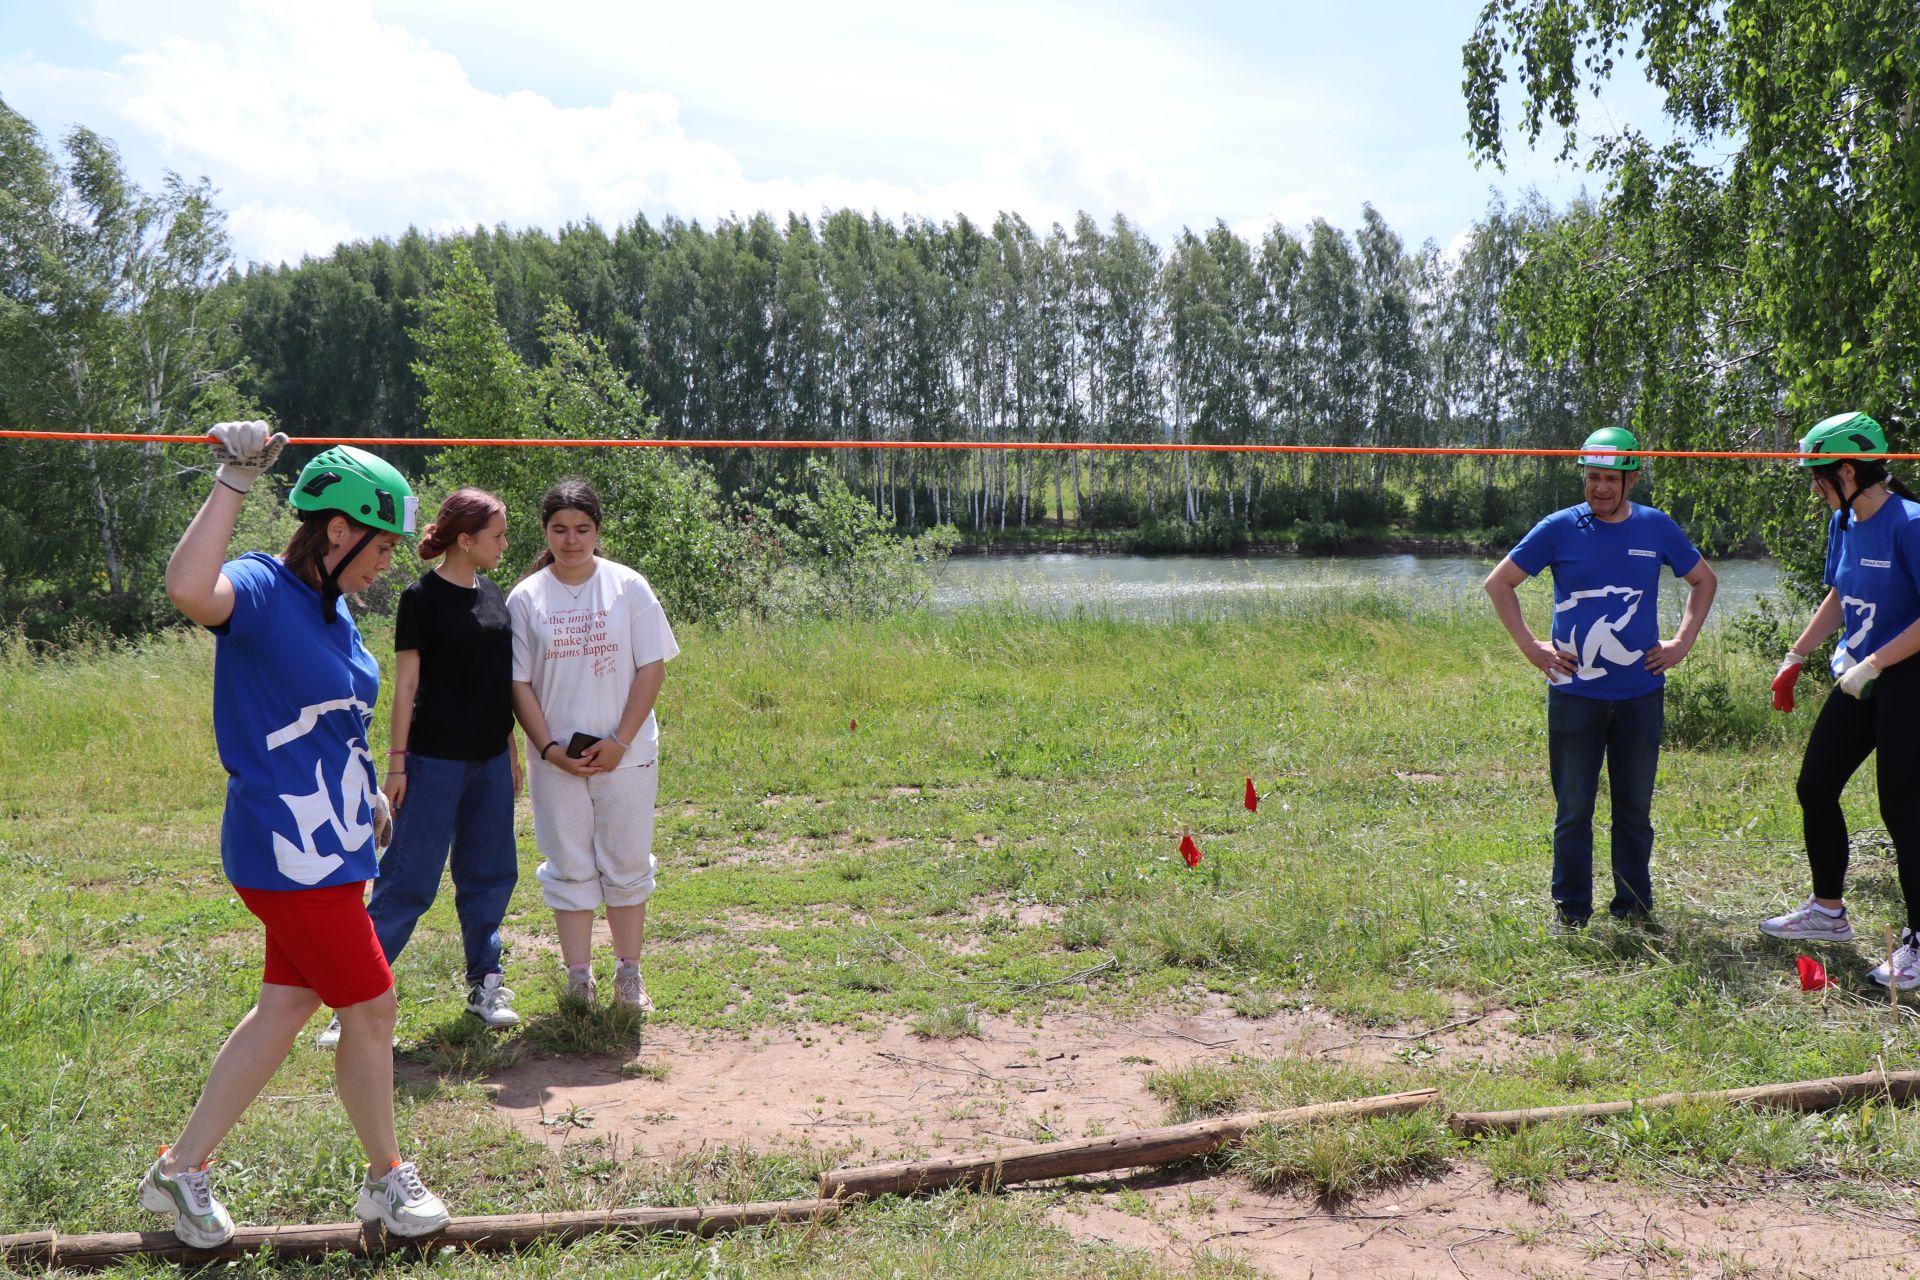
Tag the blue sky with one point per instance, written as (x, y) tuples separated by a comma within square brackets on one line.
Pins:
[(323, 120)]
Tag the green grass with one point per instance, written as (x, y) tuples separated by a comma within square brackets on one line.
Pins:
[(996, 837), (1340, 1161)]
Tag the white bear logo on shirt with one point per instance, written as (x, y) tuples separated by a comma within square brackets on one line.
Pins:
[(1602, 640), (1855, 639), (303, 863)]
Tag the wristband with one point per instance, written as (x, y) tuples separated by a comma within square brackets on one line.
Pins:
[(624, 746), (550, 746), (400, 752)]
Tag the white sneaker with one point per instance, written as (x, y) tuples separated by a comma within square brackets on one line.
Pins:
[(199, 1220), (329, 1037), (581, 987), (1906, 964), (491, 1001), (630, 989), (1809, 923), (401, 1203)]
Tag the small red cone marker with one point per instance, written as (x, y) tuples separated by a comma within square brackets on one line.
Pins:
[(1813, 974), (1253, 798), (1188, 849)]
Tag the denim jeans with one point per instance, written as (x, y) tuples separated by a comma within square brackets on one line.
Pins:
[(1581, 732), (468, 805)]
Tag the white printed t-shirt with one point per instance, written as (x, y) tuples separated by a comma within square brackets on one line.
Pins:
[(579, 647)]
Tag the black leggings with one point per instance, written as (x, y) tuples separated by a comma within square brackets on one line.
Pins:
[(1887, 727)]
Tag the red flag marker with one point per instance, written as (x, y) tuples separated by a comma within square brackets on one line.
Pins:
[(1813, 974), (1189, 850), (1253, 798), (853, 724)]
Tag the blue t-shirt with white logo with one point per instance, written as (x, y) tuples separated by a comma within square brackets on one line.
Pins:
[(1874, 567), (293, 699), (1606, 591)]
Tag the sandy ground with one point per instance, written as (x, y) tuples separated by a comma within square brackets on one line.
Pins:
[(1460, 1225), (875, 1097)]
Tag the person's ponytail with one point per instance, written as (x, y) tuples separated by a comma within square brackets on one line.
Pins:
[(466, 511)]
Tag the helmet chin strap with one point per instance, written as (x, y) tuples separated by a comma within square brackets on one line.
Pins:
[(1847, 499), (330, 581)]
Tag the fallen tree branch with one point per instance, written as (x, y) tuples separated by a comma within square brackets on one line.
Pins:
[(1035, 1161), (1800, 1095), (1025, 1086), (1431, 1031), (503, 1231)]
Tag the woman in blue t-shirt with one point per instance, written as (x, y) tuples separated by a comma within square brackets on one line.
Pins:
[(1873, 600), (293, 695)]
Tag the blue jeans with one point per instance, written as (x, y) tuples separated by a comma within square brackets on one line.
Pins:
[(1581, 732), (467, 804)]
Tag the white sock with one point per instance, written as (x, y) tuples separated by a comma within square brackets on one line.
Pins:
[(1835, 912)]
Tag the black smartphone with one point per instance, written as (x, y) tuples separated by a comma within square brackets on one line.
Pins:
[(578, 744)]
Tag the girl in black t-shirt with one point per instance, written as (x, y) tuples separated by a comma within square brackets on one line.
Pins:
[(452, 774)]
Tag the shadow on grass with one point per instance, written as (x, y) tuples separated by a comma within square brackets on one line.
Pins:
[(463, 1048)]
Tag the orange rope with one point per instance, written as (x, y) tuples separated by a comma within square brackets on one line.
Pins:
[(1031, 446)]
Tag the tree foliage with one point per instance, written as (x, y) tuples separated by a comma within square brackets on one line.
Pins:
[(1759, 270), (856, 327), (109, 321), (708, 557)]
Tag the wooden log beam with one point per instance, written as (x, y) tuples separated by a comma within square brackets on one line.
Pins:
[(502, 1231), (1800, 1095), (1094, 1155), (29, 1249)]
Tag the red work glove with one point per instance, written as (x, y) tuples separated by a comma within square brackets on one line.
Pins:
[(1786, 678)]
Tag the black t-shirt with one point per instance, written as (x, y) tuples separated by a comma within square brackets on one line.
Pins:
[(463, 709)]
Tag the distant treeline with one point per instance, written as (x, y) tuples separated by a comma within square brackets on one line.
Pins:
[(857, 327), (121, 311)]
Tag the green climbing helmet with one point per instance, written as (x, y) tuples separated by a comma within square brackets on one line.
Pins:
[(359, 486), (1842, 433), (1612, 438)]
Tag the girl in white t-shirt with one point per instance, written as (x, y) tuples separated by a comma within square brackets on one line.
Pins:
[(590, 647)]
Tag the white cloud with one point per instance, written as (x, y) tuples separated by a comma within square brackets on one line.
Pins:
[(321, 123), (327, 119)]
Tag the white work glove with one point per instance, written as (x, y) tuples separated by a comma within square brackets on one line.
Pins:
[(1859, 678), (382, 821), (244, 450)]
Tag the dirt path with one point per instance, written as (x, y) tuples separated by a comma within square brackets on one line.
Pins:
[(1460, 1225), (895, 1094), (892, 1095)]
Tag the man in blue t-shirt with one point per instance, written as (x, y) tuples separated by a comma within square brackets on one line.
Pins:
[(1605, 665)]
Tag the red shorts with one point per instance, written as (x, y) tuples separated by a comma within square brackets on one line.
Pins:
[(321, 939)]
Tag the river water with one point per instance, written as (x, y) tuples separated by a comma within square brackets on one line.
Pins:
[(1168, 587)]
